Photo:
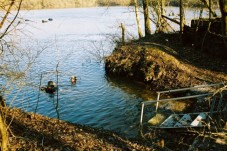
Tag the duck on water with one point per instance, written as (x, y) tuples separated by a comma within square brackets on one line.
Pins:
[(50, 88), (73, 79)]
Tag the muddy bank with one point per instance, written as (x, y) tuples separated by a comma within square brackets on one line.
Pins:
[(28, 131), (164, 65)]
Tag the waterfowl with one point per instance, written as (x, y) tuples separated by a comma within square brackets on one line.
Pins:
[(73, 79), (50, 88), (44, 21)]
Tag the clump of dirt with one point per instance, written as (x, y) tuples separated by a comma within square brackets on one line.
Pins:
[(160, 65)]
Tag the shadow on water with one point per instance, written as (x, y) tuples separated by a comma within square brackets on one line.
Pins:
[(143, 93), (54, 101), (139, 91), (132, 87)]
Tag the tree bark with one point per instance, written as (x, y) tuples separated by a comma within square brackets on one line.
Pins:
[(162, 6), (161, 25), (137, 19), (123, 33), (3, 129), (223, 8), (181, 17), (146, 18)]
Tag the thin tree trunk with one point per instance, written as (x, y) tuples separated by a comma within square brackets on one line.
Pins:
[(161, 24), (181, 17), (210, 6), (223, 8), (3, 129), (146, 18), (123, 33), (162, 6), (137, 19)]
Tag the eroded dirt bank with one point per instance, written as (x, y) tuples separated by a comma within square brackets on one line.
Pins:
[(165, 65)]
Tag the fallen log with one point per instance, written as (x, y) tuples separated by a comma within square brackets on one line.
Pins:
[(173, 20)]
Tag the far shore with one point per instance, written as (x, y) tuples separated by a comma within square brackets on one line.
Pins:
[(38, 4)]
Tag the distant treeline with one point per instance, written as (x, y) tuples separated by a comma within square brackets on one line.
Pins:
[(40, 4)]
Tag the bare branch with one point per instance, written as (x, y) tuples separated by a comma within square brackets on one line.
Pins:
[(11, 23)]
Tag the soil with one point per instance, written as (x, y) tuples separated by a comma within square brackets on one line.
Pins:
[(29, 131), (162, 62)]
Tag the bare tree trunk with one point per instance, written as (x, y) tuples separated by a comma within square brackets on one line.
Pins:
[(210, 6), (123, 33), (3, 129), (137, 19), (162, 6), (161, 24), (181, 17), (146, 18), (223, 8)]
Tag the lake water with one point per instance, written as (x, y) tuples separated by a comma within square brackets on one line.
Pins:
[(76, 39)]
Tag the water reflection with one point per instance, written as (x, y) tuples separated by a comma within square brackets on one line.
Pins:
[(132, 87)]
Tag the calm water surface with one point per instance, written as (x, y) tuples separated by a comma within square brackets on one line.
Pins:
[(75, 40)]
